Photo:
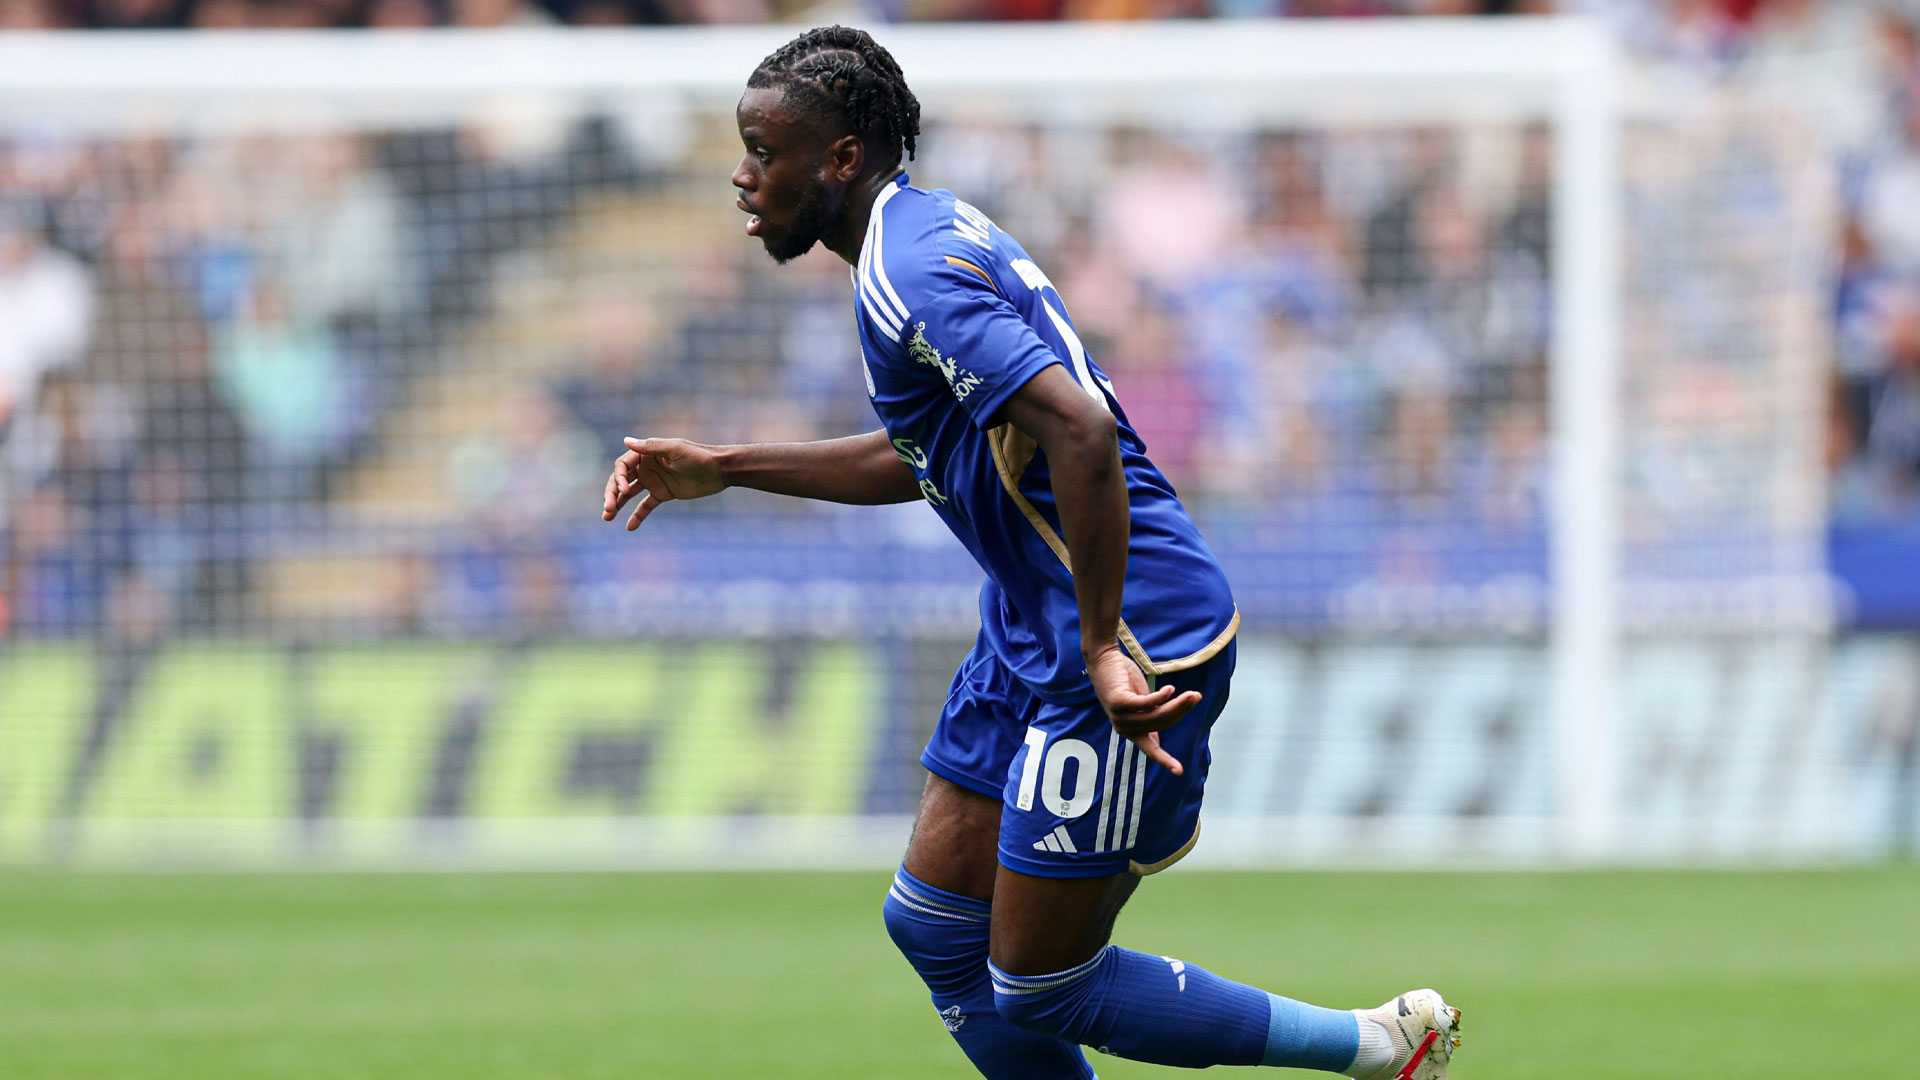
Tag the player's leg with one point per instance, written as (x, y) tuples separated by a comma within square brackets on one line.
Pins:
[(955, 840), (1079, 827), (1055, 974), (938, 908)]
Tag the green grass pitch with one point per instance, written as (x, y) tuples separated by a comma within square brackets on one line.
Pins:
[(787, 976)]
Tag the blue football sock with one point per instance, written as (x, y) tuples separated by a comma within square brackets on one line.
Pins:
[(944, 937), (1166, 1011)]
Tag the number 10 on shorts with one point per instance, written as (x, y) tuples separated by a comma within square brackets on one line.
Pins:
[(1052, 798)]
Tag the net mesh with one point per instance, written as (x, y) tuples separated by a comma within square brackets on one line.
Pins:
[(306, 427)]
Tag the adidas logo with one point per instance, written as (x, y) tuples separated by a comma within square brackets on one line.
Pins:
[(952, 1017), (1057, 840)]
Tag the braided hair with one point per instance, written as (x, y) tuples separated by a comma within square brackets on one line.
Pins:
[(839, 75)]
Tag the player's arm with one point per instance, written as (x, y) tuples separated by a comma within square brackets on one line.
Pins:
[(1082, 445), (859, 469)]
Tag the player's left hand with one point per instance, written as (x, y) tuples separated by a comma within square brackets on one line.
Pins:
[(1137, 713), (660, 470)]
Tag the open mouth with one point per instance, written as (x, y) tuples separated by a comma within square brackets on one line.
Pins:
[(753, 221)]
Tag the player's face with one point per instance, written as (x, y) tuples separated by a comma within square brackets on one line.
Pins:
[(785, 178)]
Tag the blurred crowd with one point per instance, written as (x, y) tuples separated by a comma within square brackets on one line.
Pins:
[(1334, 329), (215, 350), (198, 337), (417, 14), (1875, 424)]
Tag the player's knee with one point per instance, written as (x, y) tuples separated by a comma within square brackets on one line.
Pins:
[(1049, 1014), (1037, 1013), (910, 931), (943, 935), (1047, 1004)]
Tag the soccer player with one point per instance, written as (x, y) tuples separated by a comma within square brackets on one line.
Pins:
[(1070, 758)]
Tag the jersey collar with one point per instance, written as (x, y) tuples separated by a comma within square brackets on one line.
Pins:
[(880, 198)]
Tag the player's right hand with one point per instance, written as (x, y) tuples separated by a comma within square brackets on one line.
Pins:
[(1138, 714), (660, 470)]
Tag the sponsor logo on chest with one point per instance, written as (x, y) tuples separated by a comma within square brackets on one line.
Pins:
[(962, 381)]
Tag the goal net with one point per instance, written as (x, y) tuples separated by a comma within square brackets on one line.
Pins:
[(1493, 371)]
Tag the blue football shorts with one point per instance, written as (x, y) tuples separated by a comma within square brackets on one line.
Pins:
[(1078, 800)]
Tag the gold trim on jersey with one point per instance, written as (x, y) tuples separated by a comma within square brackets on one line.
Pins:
[(1143, 869), (1013, 451), (1193, 659), (955, 260)]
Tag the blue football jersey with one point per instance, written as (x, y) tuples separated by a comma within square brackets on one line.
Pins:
[(954, 318)]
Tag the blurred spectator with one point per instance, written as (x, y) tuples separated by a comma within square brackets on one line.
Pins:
[(47, 581), (618, 12), (496, 13), (33, 15), (283, 377), (46, 309), (1168, 210), (135, 14), (338, 232), (1876, 418), (227, 14), (405, 14), (1882, 410)]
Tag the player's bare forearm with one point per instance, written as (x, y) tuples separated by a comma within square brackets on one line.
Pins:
[(1090, 492), (862, 470), (1082, 446)]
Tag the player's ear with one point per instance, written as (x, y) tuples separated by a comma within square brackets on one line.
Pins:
[(845, 157)]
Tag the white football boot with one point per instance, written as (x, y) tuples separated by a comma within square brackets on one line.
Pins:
[(1425, 1031)]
